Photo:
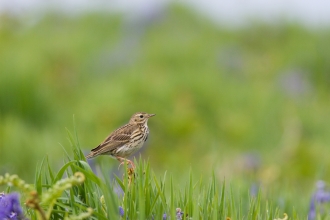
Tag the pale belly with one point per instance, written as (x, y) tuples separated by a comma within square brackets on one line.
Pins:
[(127, 150)]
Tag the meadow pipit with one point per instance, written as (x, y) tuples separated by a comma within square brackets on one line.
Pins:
[(124, 141)]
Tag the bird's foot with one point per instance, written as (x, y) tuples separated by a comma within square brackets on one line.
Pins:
[(124, 160)]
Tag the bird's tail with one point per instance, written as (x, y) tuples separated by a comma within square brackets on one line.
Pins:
[(90, 155)]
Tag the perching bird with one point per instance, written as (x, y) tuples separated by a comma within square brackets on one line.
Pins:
[(124, 141)]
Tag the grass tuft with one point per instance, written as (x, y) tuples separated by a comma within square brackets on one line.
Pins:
[(76, 192)]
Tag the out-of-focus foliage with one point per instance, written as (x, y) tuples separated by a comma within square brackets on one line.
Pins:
[(250, 103)]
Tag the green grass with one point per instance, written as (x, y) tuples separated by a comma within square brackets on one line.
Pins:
[(146, 194)]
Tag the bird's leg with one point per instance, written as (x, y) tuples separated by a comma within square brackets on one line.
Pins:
[(132, 164), (130, 171), (123, 160)]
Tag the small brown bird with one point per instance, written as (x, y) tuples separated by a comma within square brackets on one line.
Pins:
[(124, 141)]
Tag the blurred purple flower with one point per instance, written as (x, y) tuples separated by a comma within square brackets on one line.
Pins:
[(118, 191), (251, 162), (10, 207), (254, 189), (179, 214), (294, 83), (320, 196), (121, 211)]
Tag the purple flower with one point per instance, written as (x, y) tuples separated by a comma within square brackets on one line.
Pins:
[(121, 211), (179, 214), (320, 196), (164, 216), (10, 207)]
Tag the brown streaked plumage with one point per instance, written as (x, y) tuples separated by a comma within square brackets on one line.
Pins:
[(127, 139)]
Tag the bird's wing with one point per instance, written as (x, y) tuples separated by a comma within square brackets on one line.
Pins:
[(116, 139)]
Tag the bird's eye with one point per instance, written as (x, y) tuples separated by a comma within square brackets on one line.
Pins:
[(141, 116)]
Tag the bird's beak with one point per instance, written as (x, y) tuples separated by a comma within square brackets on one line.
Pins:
[(150, 115)]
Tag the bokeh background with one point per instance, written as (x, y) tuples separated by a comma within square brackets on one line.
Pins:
[(241, 88)]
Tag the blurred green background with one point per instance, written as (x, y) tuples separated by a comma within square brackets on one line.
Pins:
[(250, 103)]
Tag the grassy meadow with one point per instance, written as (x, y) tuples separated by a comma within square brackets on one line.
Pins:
[(242, 114)]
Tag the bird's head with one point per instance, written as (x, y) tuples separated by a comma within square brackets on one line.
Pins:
[(140, 118)]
